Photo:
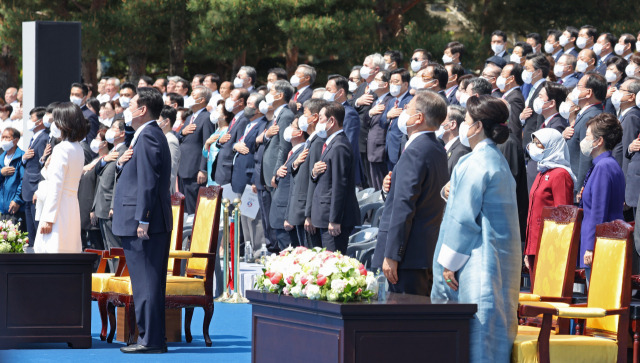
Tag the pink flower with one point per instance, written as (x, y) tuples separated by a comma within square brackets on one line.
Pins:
[(321, 280), (275, 279), (359, 291)]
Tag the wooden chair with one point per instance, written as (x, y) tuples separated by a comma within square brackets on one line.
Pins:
[(604, 338), (196, 288)]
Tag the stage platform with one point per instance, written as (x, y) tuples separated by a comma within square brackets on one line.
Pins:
[(230, 332)]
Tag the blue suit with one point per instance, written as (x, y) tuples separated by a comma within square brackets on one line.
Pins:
[(94, 123), (142, 196), (11, 186), (351, 127), (580, 163), (393, 142), (243, 165), (30, 181)]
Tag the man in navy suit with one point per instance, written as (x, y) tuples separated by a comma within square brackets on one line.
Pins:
[(337, 88), (568, 40), (223, 165), (553, 46), (399, 89), (536, 70), (499, 44), (413, 210), (377, 130), (193, 135), (630, 121), (604, 48), (302, 80), (78, 95), (32, 166), (510, 83), (591, 92), (142, 217), (565, 71), (455, 71), (334, 211)]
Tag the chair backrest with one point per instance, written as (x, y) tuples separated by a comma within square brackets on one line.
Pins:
[(375, 221), (364, 235), (368, 210), (364, 193), (204, 237), (177, 210), (610, 285), (557, 251)]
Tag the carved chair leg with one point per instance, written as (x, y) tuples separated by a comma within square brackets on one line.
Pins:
[(188, 314), (130, 315), (102, 308), (208, 314), (636, 346), (111, 312)]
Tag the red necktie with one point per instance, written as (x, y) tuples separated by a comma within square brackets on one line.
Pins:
[(295, 98), (288, 156), (233, 122), (324, 146)]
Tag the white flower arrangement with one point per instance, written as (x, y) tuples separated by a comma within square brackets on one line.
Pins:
[(12, 240)]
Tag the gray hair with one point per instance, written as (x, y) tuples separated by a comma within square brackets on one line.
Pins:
[(203, 92), (377, 59), (251, 72), (570, 59), (285, 88), (318, 92), (432, 106), (480, 86), (634, 86), (308, 70), (115, 80), (257, 97)]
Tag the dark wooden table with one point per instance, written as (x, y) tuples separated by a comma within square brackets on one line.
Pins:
[(45, 298), (405, 328)]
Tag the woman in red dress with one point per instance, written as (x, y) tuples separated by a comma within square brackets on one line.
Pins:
[(553, 185)]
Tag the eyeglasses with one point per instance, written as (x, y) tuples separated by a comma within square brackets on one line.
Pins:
[(353, 79)]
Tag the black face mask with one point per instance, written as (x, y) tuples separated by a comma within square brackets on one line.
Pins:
[(249, 111)]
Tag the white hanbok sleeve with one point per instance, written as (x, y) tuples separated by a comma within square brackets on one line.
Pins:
[(56, 173)]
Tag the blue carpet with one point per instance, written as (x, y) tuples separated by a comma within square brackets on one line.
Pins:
[(230, 332)]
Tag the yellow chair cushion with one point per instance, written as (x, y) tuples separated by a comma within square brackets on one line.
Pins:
[(605, 288), (552, 258), (99, 281), (544, 304), (202, 229), (176, 286), (565, 348), (530, 330), (581, 313), (528, 297), (175, 211)]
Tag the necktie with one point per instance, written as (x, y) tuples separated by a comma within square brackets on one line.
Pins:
[(324, 147), (295, 98), (395, 104), (30, 142), (561, 81), (233, 122), (543, 126)]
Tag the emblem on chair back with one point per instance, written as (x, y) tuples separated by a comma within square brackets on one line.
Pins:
[(557, 251), (205, 223), (610, 283)]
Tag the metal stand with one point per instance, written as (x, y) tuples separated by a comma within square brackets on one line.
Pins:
[(226, 294), (236, 298)]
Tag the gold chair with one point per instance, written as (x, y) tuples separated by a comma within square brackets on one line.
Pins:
[(604, 338), (196, 288)]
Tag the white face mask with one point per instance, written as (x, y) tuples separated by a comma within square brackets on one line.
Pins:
[(538, 106), (295, 81), (6, 145), (416, 65), (597, 48), (417, 83), (263, 107), (288, 134), (631, 69), (328, 96), (501, 83), (128, 116), (527, 77), (463, 99), (619, 49), (229, 104), (581, 42), (638, 99), (558, 70), (548, 47), (214, 116), (402, 122), (269, 86), (365, 72), (110, 136), (303, 123), (564, 40), (352, 86), (46, 121), (238, 82), (55, 131), (610, 76), (95, 145), (387, 65), (638, 45), (464, 131), (565, 109), (446, 59), (574, 96), (536, 153), (586, 146), (106, 121), (75, 100), (581, 66), (395, 90), (321, 129), (31, 125), (373, 86), (440, 132), (515, 58), (269, 99), (616, 99), (124, 101), (497, 48)]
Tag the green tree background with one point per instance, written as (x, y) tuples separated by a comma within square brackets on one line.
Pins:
[(129, 38)]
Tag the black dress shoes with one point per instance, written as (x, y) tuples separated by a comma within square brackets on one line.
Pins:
[(137, 348)]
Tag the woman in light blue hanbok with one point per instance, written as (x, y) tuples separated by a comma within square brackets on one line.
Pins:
[(477, 258), (220, 117)]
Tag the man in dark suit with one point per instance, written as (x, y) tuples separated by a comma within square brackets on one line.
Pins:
[(78, 95), (448, 132), (435, 78), (565, 71), (223, 165), (604, 48), (302, 80), (491, 72), (399, 89), (589, 94), (192, 171), (32, 166), (337, 88), (377, 129), (499, 44), (334, 211), (300, 198), (630, 121), (455, 71), (286, 233), (142, 218), (276, 148), (535, 72), (568, 40), (413, 210), (103, 201), (552, 46), (509, 82), (244, 165)]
